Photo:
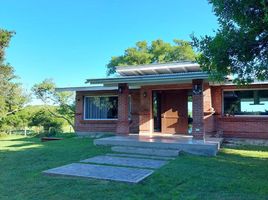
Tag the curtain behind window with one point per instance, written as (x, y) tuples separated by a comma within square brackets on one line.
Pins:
[(101, 107)]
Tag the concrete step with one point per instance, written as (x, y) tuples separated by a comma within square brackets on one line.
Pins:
[(140, 156), (197, 147), (146, 151)]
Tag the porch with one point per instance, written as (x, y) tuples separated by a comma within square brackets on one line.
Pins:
[(146, 142), (160, 102)]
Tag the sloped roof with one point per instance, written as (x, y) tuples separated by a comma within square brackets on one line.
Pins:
[(152, 69), (150, 79)]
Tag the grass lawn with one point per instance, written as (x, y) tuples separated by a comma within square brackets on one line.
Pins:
[(236, 173)]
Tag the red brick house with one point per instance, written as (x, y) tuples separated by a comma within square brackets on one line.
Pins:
[(174, 98)]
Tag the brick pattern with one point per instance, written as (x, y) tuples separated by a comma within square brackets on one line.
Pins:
[(123, 110), (208, 109), (82, 125), (141, 113), (135, 109), (244, 127), (198, 112), (237, 126)]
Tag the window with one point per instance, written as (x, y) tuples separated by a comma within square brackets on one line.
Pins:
[(104, 107), (246, 102)]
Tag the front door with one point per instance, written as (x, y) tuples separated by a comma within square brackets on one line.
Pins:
[(174, 110)]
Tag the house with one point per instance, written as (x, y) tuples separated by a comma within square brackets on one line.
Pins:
[(172, 98)]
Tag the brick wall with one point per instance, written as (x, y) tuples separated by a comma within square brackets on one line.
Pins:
[(82, 125), (123, 110), (141, 117), (238, 126), (135, 109)]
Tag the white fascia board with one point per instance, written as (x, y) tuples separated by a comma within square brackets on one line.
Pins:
[(90, 88), (155, 67)]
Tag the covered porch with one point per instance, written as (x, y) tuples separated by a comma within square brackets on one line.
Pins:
[(170, 99)]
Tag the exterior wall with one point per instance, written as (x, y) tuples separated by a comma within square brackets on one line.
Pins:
[(82, 125), (168, 119), (238, 126), (142, 120), (123, 110), (135, 108), (198, 128), (209, 125)]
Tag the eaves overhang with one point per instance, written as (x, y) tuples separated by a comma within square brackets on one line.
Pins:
[(151, 79)]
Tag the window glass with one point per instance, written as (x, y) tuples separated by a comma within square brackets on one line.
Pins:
[(246, 102), (101, 107)]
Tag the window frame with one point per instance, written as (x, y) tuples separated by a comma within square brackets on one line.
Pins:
[(95, 119), (107, 119), (242, 89)]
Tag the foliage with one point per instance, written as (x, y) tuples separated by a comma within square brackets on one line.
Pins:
[(25, 120), (157, 52), (45, 119), (240, 46), (236, 173), (12, 97), (46, 91)]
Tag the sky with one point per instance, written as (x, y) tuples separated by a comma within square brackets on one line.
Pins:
[(72, 40)]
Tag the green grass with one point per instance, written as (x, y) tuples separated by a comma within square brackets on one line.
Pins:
[(236, 173)]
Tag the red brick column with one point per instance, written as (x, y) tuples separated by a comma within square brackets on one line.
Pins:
[(198, 110), (123, 122)]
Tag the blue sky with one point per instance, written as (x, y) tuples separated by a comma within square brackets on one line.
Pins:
[(71, 40)]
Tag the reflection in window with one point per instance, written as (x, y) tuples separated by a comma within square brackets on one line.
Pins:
[(101, 107), (246, 102)]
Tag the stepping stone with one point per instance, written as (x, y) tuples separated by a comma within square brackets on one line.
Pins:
[(113, 173), (140, 156), (130, 162), (146, 151)]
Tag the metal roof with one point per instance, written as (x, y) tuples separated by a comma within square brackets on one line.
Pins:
[(151, 79), (163, 68), (90, 88)]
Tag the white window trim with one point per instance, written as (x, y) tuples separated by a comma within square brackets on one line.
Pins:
[(242, 89)]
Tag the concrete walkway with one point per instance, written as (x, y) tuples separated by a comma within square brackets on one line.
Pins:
[(131, 168)]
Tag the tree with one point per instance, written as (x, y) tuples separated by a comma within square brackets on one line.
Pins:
[(240, 46), (158, 52), (46, 92), (12, 98), (45, 119)]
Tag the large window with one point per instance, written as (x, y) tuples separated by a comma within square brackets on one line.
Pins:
[(104, 107), (246, 102)]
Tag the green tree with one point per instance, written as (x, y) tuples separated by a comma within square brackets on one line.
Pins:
[(240, 46), (157, 52), (46, 92), (12, 97), (48, 121)]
